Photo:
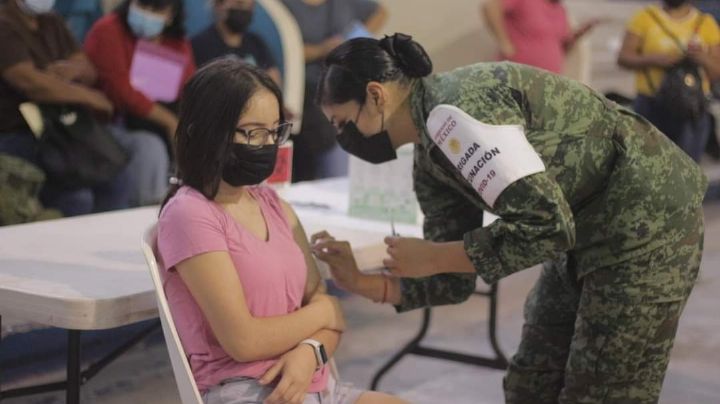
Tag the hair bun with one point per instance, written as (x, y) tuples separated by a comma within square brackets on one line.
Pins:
[(409, 55)]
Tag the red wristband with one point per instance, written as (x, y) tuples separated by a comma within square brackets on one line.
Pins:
[(385, 289)]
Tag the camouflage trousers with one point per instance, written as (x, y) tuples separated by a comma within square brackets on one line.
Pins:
[(605, 338)]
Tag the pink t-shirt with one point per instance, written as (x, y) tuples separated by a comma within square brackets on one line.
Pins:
[(273, 275), (537, 29)]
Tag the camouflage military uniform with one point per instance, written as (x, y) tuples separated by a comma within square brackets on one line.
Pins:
[(617, 216), (20, 183)]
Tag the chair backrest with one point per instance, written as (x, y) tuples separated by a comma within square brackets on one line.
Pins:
[(274, 23), (187, 388), (278, 28)]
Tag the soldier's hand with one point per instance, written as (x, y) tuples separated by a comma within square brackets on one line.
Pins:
[(339, 257), (411, 257)]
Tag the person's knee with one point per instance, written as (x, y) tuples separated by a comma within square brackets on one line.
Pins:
[(536, 371), (620, 352), (70, 203), (148, 148), (114, 194), (372, 397), (554, 298)]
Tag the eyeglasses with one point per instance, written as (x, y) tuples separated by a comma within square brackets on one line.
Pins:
[(258, 137)]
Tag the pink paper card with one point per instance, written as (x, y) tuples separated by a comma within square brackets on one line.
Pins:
[(157, 71)]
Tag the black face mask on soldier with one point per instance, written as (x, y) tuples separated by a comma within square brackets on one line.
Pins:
[(238, 20), (249, 166), (374, 149)]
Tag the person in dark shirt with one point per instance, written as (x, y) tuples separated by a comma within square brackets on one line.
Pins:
[(325, 24), (41, 62), (229, 36)]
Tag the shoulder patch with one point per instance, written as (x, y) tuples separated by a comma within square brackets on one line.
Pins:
[(489, 157)]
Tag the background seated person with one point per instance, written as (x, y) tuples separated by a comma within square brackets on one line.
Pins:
[(325, 24), (229, 36), (111, 45), (41, 62)]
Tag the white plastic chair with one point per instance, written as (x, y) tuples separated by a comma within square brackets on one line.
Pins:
[(184, 379), (187, 388)]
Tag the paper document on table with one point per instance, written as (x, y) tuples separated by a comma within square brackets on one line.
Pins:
[(327, 195), (157, 71), (384, 191)]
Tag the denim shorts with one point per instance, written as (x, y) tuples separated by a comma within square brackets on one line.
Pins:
[(245, 390)]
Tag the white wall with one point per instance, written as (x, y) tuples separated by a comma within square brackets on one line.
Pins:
[(448, 29)]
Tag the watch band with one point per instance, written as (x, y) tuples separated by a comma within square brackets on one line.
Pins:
[(319, 349)]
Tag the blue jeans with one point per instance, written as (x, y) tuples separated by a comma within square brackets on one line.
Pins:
[(690, 136), (108, 196), (148, 167)]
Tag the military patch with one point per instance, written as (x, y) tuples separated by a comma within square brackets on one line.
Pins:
[(489, 157)]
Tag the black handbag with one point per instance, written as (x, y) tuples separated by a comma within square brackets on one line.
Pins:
[(681, 93), (75, 151)]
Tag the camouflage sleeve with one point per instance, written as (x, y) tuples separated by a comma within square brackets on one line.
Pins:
[(447, 217), (536, 221), (535, 224)]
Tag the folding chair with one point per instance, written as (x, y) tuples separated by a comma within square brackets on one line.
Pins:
[(274, 23), (187, 388)]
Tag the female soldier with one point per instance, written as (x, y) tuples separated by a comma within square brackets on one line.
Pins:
[(577, 181)]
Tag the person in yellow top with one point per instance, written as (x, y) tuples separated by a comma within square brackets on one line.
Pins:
[(657, 38)]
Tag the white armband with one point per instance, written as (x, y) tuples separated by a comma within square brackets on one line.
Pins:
[(489, 157)]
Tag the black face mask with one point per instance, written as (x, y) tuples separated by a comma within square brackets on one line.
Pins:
[(674, 3), (246, 166), (238, 20), (375, 149)]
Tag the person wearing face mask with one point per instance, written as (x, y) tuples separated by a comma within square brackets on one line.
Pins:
[(40, 62), (243, 289), (592, 190), (533, 32), (651, 48), (111, 45), (229, 36)]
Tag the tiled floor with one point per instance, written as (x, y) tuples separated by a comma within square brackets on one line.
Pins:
[(144, 375)]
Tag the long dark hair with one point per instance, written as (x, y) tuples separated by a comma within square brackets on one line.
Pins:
[(210, 105), (176, 29), (350, 66)]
